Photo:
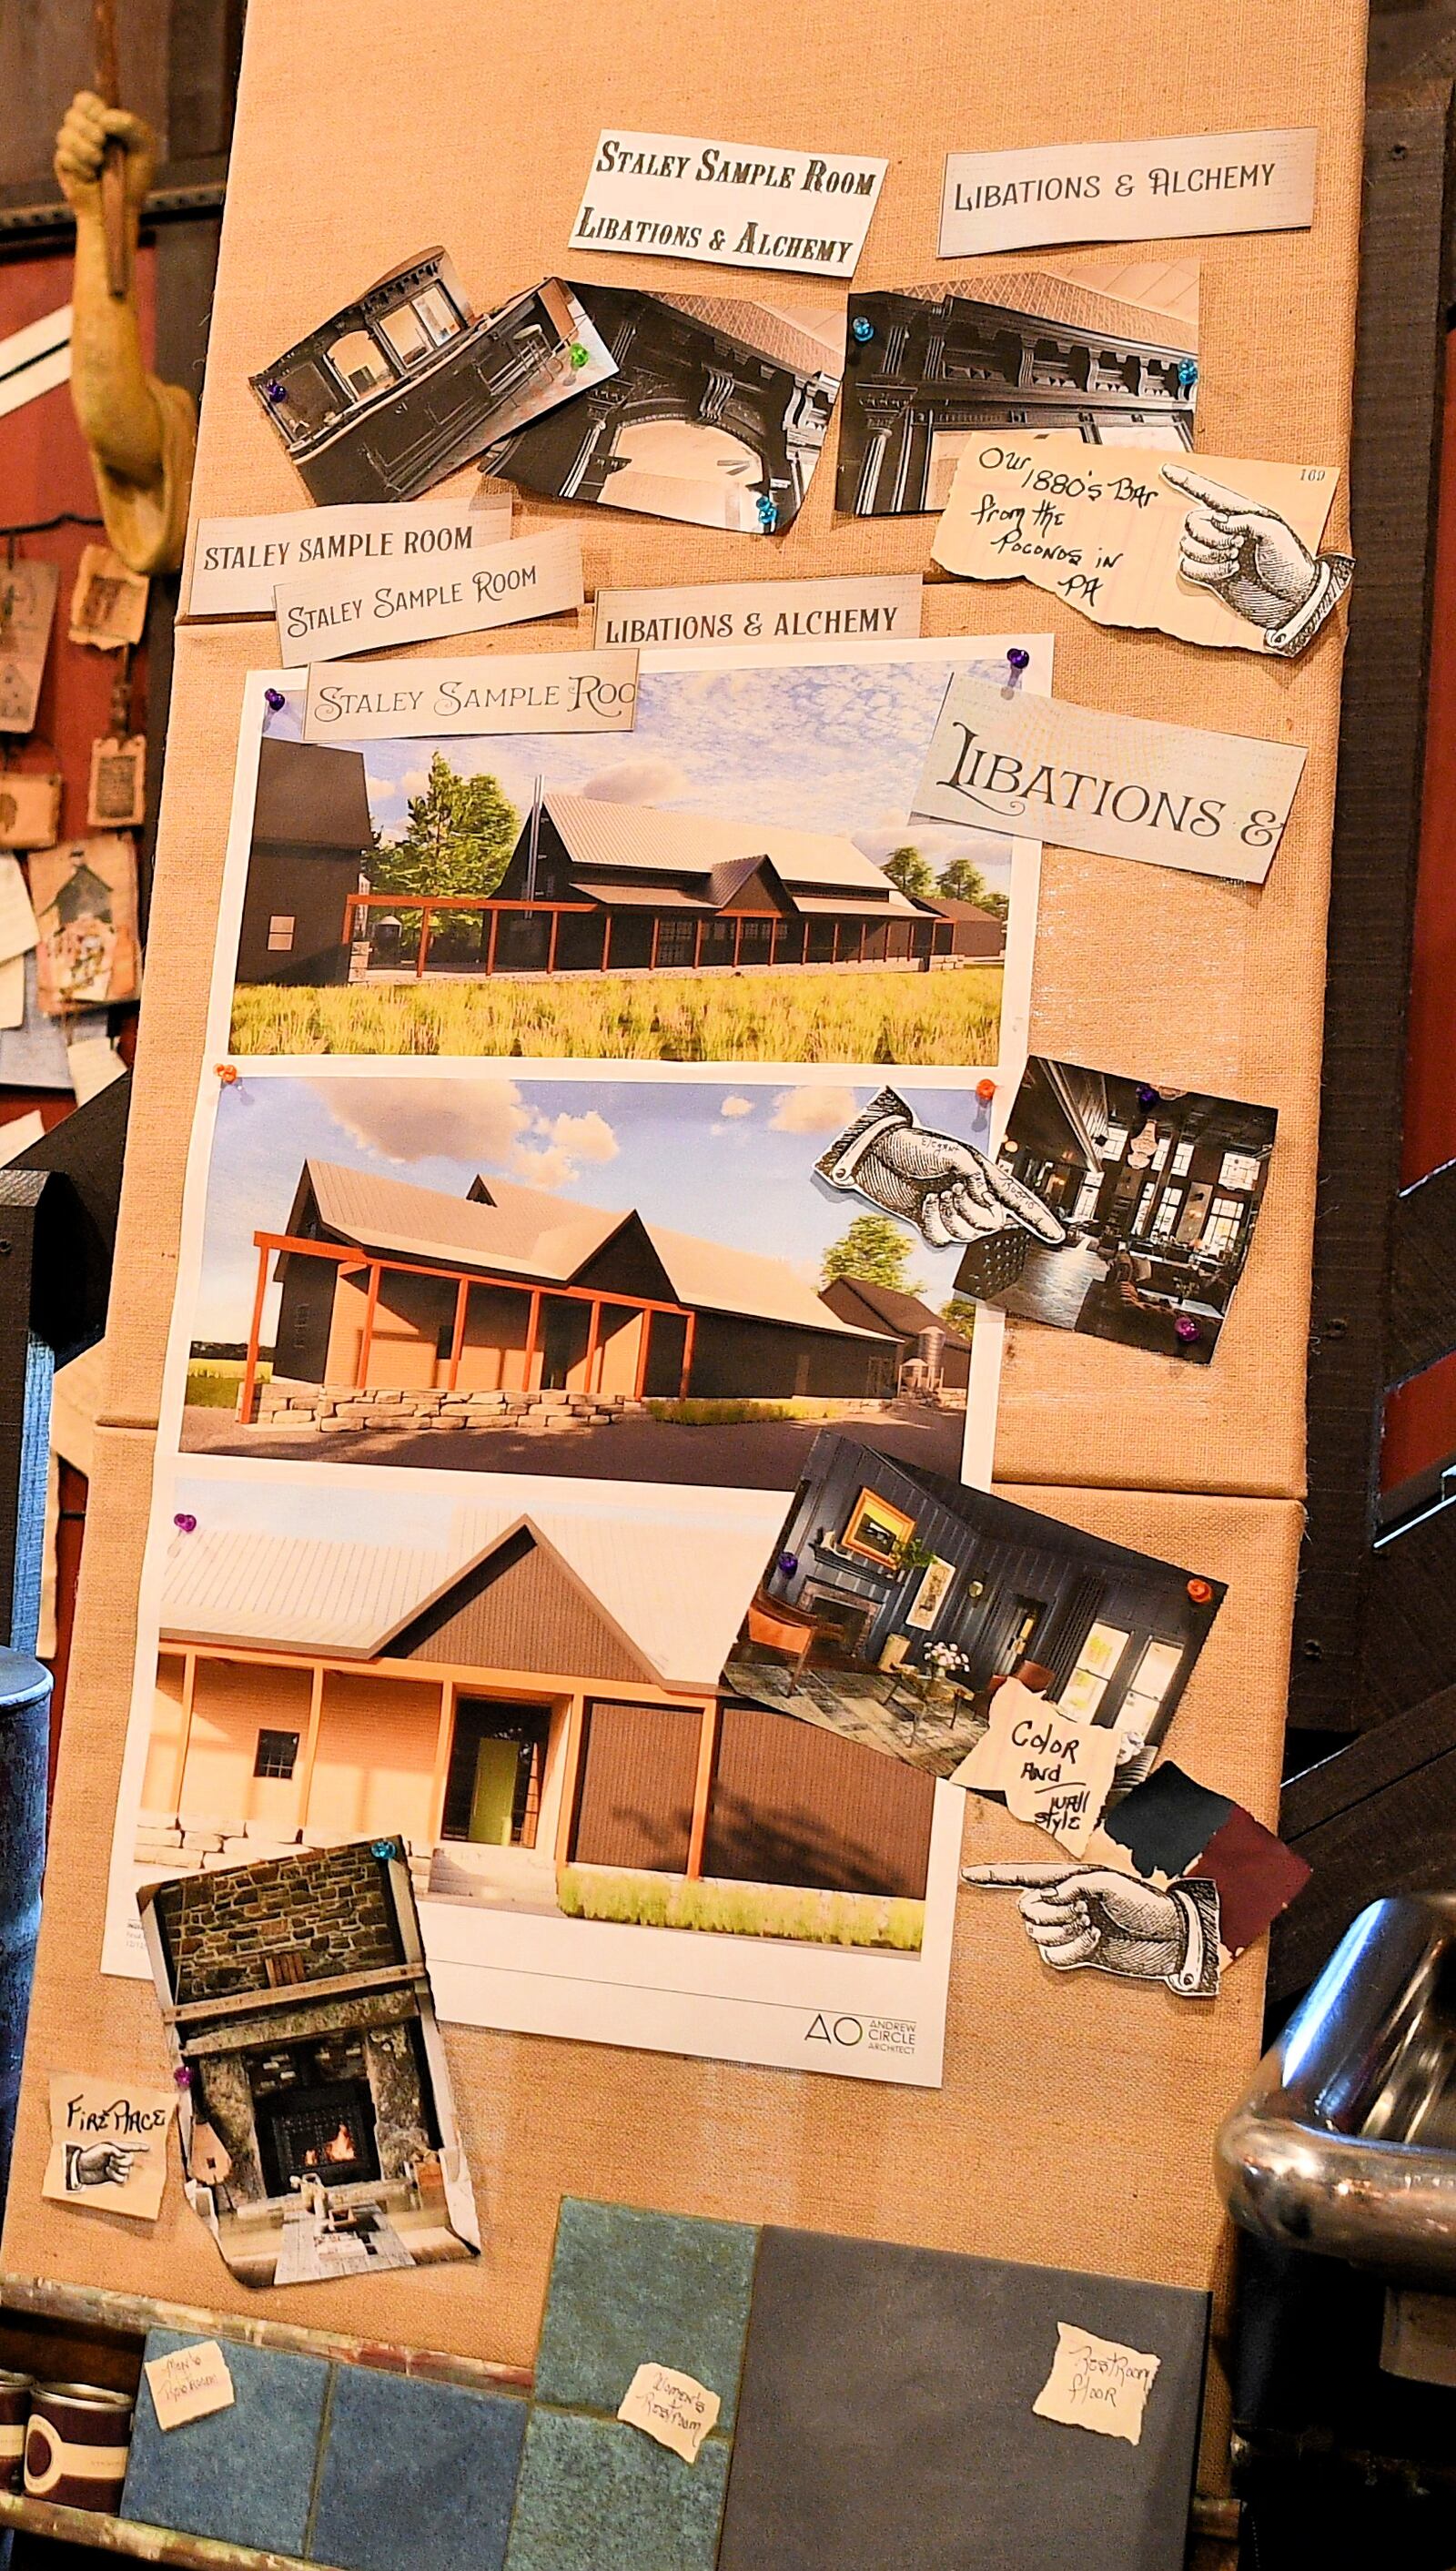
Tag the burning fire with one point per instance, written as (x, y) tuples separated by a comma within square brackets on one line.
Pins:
[(339, 2147)]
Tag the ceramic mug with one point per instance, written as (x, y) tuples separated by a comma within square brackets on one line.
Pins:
[(76, 2443), (14, 2405)]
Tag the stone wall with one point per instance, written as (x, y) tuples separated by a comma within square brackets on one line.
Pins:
[(328, 1906), (330, 1409)]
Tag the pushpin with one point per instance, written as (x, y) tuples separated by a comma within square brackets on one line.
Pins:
[(185, 1522), (183, 2076), (985, 1089), (275, 392), (767, 513), (1187, 372), (1017, 657), (789, 1564), (383, 1848), (1147, 1094), (226, 1072), (1200, 1591), (274, 700), (1185, 1328), (579, 355), (861, 328)]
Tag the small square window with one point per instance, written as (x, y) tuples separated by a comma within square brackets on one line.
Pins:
[(277, 1754), (280, 932)]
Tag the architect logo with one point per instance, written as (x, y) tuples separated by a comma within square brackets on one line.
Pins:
[(877, 2034)]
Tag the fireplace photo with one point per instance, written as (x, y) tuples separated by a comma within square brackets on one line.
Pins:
[(318, 2128)]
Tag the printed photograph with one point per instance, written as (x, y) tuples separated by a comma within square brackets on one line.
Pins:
[(739, 878), (716, 410), (317, 2125), (1108, 349), (896, 1602), (1155, 1193), (84, 896), (409, 382), (642, 1281)]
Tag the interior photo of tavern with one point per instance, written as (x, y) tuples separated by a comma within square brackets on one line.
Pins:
[(591, 886), (1160, 1192), (513, 1315), (527, 1704), (898, 1600)]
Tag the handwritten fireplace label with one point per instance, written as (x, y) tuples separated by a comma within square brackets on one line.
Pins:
[(518, 692), (1212, 802), (1096, 2383), (736, 205), (673, 2407), (325, 615), (108, 2145), (1180, 186), (189, 2384), (1052, 1770)]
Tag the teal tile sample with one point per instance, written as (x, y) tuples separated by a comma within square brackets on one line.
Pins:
[(631, 2288), (595, 2495), (245, 2475), (415, 2476)]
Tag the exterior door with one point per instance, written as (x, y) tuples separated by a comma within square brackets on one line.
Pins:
[(497, 1767), (493, 1799)]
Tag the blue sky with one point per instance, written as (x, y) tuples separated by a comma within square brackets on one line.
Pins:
[(729, 1159), (835, 747)]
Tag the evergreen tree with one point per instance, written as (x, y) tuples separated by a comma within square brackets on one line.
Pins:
[(459, 837), (962, 881), (875, 1248)]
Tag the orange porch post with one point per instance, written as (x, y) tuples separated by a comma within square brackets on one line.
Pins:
[(570, 1779), (594, 1339), (550, 942), (738, 936), (533, 1334), (697, 943), (458, 1336), (248, 1395), (422, 959), (687, 1338), (703, 1789), (835, 944), (185, 1737), (495, 921), (639, 1381), (653, 959), (440, 1778), (606, 939), (366, 1334), (310, 1745)]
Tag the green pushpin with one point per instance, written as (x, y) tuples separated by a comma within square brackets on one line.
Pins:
[(579, 355)]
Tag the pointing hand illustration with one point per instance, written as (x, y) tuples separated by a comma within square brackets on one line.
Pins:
[(1094, 1916), (101, 2164), (1245, 553), (946, 1187)]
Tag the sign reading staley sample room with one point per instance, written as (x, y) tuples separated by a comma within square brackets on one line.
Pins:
[(736, 204), (751, 610), (238, 562), (325, 615), (516, 692), (1210, 803), (1181, 187)]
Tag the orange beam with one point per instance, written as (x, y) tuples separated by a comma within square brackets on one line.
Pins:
[(366, 1335), (495, 921), (311, 1746), (254, 1332), (687, 1338), (423, 950), (594, 1334), (570, 1779), (533, 1332), (185, 1738), (282, 1241), (640, 1379), (653, 961), (458, 1336), (550, 942), (606, 938), (442, 1758), (703, 1787)]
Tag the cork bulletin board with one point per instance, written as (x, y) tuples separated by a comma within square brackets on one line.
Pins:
[(1075, 2119)]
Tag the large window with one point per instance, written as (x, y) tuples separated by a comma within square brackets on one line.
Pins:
[(878, 1530), (677, 940), (1238, 1170), (1225, 1225), (361, 361), (1096, 1663), (1183, 1161), (1168, 1214), (1148, 1686)]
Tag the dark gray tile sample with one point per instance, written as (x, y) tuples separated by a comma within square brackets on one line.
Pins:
[(630, 2288), (416, 2476), (594, 2495), (244, 2474), (886, 2417)]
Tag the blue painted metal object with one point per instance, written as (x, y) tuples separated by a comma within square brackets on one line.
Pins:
[(25, 1703)]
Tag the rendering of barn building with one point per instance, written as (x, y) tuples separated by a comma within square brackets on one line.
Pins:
[(510, 1291), (311, 836)]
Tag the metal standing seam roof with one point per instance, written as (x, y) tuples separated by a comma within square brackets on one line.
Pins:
[(540, 1237), (595, 832), (676, 1596)]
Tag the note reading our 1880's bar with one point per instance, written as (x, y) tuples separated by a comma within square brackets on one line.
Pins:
[(526, 691), (736, 204), (1178, 188), (1212, 802)]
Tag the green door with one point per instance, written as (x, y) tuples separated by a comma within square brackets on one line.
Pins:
[(492, 1802)]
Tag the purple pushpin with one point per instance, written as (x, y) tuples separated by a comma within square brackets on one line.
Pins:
[(185, 1522), (274, 700), (1147, 1094), (1184, 1329), (1017, 658), (789, 1564), (183, 2076), (275, 392)]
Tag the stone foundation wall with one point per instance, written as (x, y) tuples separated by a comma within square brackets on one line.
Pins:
[(327, 1906), (179, 1843), (326, 1408)]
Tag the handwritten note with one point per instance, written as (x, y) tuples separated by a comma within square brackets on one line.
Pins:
[(1052, 1770), (1171, 190), (189, 2384), (736, 204), (323, 615), (1096, 2383), (1036, 767), (522, 692), (671, 2407), (108, 2150), (238, 562), (1118, 535)]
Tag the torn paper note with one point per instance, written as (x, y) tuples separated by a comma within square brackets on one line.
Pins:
[(324, 614), (1181, 187), (1096, 2383), (189, 2384), (671, 2407), (108, 2145), (1040, 769), (27, 605), (238, 562), (109, 601), (1223, 551), (736, 205), (1051, 1769), (520, 693), (17, 919)]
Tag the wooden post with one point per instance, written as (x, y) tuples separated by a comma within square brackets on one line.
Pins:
[(697, 943), (738, 938), (570, 1779), (366, 1334), (687, 1337), (606, 939), (639, 1382), (835, 943), (703, 1787), (185, 1741), (550, 942), (533, 1332), (774, 939), (863, 934), (457, 1336), (310, 1745), (248, 1393), (653, 959), (441, 1775), (495, 921), (594, 1334), (422, 957)]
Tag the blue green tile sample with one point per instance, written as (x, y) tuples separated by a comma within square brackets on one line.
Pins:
[(595, 2495), (246, 2475), (630, 2288), (416, 2476)]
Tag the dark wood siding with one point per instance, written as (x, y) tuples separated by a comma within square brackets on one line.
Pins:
[(638, 1769), (739, 1359), (305, 1317), (519, 1610), (308, 886), (794, 1804)]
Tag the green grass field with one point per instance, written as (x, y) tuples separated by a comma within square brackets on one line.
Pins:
[(741, 1909), (213, 1383), (890, 1017)]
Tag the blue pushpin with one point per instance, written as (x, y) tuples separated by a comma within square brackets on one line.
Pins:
[(767, 513), (789, 1564), (861, 328), (275, 392), (1187, 372)]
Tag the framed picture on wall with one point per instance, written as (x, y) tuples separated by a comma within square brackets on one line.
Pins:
[(932, 1595)]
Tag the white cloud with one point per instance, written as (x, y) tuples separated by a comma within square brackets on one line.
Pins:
[(489, 1126), (586, 1137), (812, 1111), (736, 1107), (637, 781)]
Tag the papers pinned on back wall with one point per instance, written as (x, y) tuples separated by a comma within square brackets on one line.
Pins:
[(237, 562), (109, 601), (1181, 187), (326, 613), (1210, 803), (539, 692), (736, 205), (85, 896), (1221, 552), (27, 605)]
